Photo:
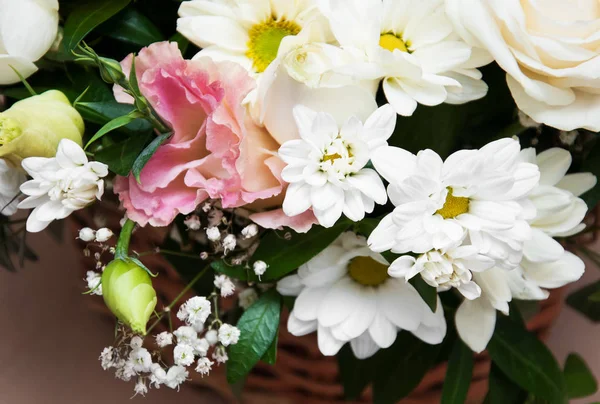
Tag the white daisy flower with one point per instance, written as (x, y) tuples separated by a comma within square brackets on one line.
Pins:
[(10, 181), (60, 185), (445, 269), (346, 295), (546, 265), (326, 167), (248, 32), (412, 46), (478, 194)]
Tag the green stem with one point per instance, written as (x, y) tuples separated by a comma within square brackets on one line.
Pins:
[(179, 296), (122, 250)]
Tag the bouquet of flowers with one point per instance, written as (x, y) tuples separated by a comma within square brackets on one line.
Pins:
[(398, 177)]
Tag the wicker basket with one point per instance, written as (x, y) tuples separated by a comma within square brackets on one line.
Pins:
[(302, 374)]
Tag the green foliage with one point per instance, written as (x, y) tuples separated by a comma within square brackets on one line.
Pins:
[(258, 329), (355, 374), (87, 16), (103, 112), (459, 374), (146, 155), (579, 379), (121, 156), (270, 357), (583, 300), (116, 123), (502, 390), (284, 256), (132, 27), (428, 293), (526, 361)]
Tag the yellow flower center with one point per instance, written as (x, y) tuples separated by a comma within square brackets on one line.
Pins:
[(454, 206), (367, 271), (331, 157), (392, 42), (9, 130), (265, 39)]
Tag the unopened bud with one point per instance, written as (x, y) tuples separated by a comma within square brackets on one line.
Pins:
[(260, 267), (128, 293), (111, 71), (213, 233), (86, 234), (250, 231), (103, 235)]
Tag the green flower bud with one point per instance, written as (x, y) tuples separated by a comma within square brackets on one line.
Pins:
[(34, 127), (128, 293), (110, 71)]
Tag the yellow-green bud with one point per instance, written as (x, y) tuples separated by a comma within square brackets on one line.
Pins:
[(128, 293), (111, 71), (34, 127)]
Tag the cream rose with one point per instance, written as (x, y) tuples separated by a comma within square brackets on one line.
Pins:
[(550, 50)]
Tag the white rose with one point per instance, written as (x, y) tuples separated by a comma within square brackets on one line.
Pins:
[(550, 50), (27, 30)]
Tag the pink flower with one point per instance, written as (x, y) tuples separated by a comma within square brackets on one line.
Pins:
[(216, 150)]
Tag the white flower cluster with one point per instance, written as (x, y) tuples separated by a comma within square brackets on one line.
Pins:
[(192, 345), (482, 222), (60, 185)]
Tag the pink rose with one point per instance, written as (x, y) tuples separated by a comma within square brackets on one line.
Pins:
[(216, 150)]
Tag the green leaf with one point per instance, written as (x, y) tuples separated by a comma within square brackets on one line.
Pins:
[(579, 379), (147, 154), (102, 112), (115, 124), (284, 256), (581, 301), (132, 27), (428, 293), (400, 368), (502, 390), (355, 374), (258, 327), (459, 374), (526, 361), (270, 357), (133, 80), (121, 156), (87, 16)]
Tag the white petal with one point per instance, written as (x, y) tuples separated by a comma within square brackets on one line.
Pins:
[(297, 199), (328, 217), (542, 248), (308, 302), (393, 163), (209, 30), (364, 347), (298, 327), (369, 183), (326, 196), (290, 285), (380, 126), (34, 225), (7, 75), (578, 184), (28, 27), (338, 303), (353, 206), (70, 154), (383, 331), (475, 323), (328, 344), (401, 267), (403, 103), (554, 164), (401, 304), (565, 270), (382, 238)]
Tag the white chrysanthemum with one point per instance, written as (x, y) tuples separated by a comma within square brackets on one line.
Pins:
[(545, 265), (247, 32), (326, 167), (10, 181), (445, 270), (346, 295), (411, 45), (60, 185), (183, 354), (195, 311), (479, 194), (228, 335)]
